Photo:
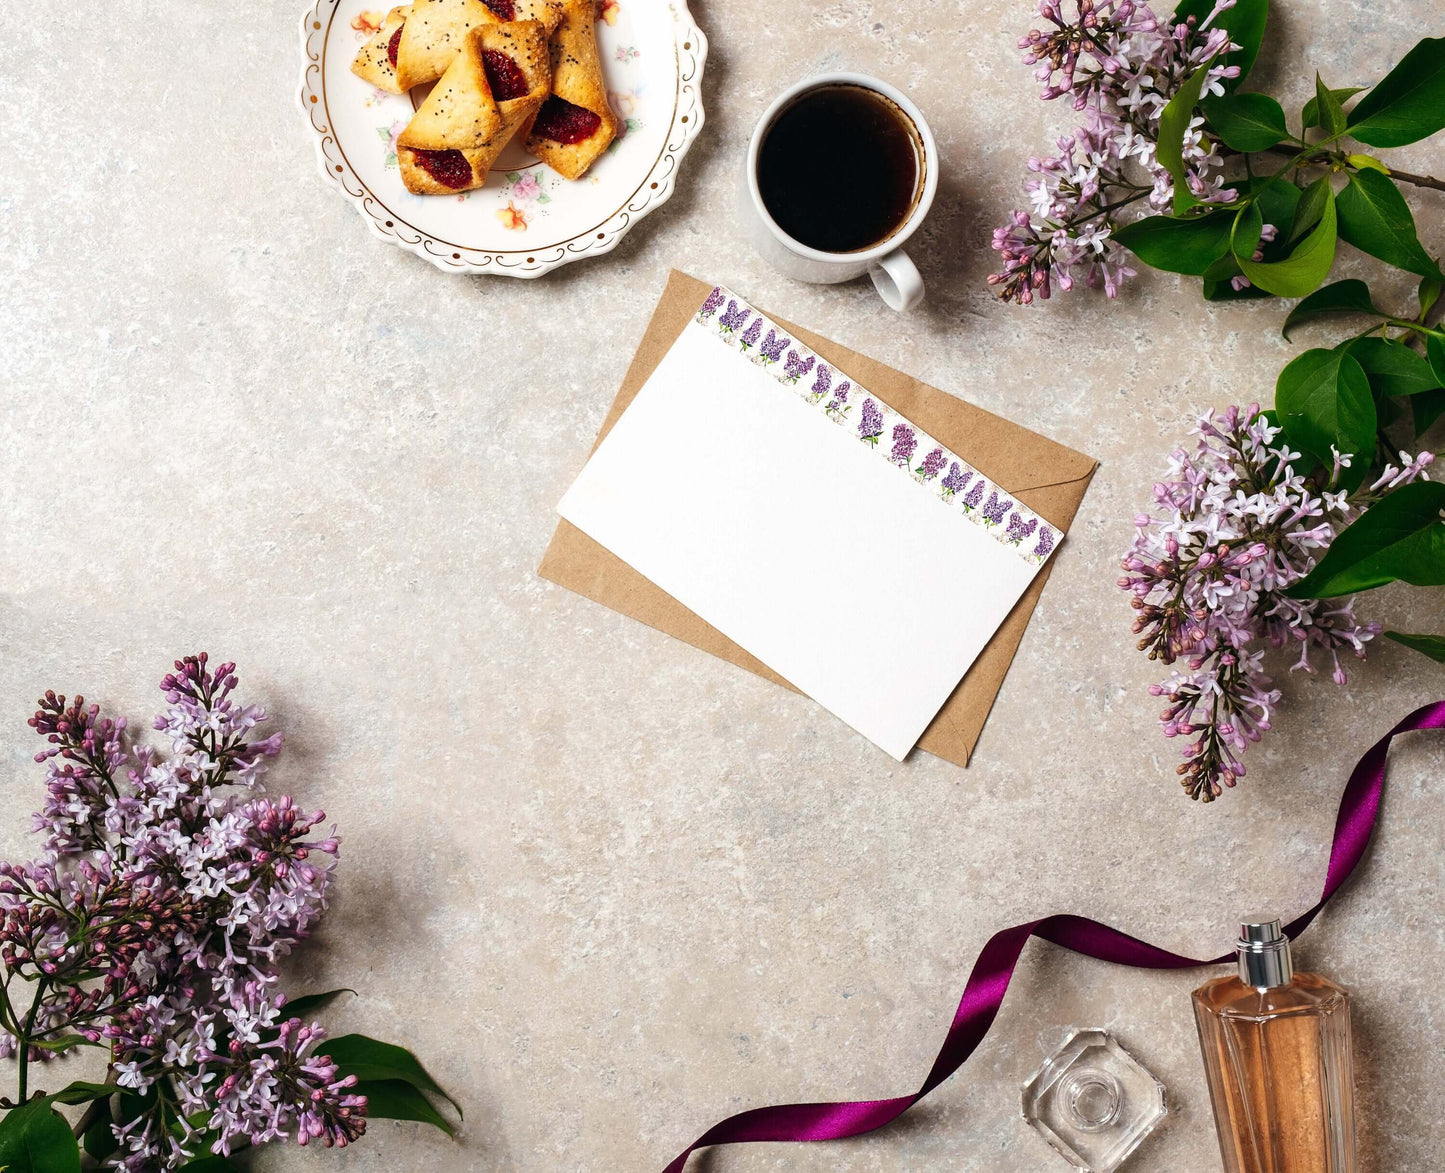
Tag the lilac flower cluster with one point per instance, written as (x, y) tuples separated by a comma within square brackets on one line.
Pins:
[(839, 403), (905, 442), (796, 366), (733, 317), (822, 381), (995, 508), (1046, 543), (772, 347), (932, 464), (711, 304), (1018, 529), (1121, 65), (1234, 525), (956, 480), (749, 337), (870, 423), (165, 897)]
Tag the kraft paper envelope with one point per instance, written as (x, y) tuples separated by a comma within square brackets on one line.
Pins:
[(1046, 476)]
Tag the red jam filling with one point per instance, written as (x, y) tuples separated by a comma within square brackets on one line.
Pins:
[(449, 168), (393, 44), (504, 75), (563, 122), (506, 9)]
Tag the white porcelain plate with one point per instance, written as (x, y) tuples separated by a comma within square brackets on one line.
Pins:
[(527, 219)]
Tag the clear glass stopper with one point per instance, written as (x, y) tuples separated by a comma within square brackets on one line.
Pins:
[(1093, 1101)]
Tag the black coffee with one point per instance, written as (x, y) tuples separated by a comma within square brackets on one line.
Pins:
[(838, 169)]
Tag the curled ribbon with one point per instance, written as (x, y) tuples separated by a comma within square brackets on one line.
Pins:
[(989, 980)]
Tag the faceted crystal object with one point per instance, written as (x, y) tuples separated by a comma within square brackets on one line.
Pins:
[(1093, 1101)]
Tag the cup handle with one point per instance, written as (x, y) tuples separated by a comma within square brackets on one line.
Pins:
[(897, 280)]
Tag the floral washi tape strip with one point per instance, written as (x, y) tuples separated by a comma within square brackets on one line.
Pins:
[(951, 479)]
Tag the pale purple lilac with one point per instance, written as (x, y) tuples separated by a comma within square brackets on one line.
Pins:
[(839, 403), (1121, 65), (975, 495), (905, 442), (750, 336), (167, 894), (733, 317), (796, 367), (772, 348), (821, 381), (995, 508), (1233, 527), (932, 464), (870, 422), (1018, 529), (1046, 543), (711, 304), (956, 480)]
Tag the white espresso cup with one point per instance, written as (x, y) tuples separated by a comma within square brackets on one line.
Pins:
[(894, 275)]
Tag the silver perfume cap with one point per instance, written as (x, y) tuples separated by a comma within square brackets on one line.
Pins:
[(1264, 957)]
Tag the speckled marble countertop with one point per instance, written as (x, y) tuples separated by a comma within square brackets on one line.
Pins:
[(609, 888)]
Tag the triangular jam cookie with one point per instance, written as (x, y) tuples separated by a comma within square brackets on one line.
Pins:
[(445, 156), (575, 124), (433, 35), (549, 12), (460, 112), (376, 62)]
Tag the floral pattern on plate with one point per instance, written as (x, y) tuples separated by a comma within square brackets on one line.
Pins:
[(951, 479)]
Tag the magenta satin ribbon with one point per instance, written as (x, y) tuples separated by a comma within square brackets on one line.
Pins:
[(987, 984)]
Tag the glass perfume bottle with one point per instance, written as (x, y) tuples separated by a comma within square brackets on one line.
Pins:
[(1277, 1053)]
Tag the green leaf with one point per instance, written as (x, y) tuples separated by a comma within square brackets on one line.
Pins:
[(1328, 109), (1247, 122), (1409, 104), (369, 1059), (308, 1004), (1310, 208), (1428, 294), (1399, 538), (1245, 23), (1376, 220), (395, 1099), (1426, 409), (1350, 296), (1392, 367), (1367, 162), (1299, 273), (34, 1138), (1178, 246), (1323, 400), (1435, 353), (1173, 122), (1430, 645), (62, 1043), (82, 1093), (1310, 116)]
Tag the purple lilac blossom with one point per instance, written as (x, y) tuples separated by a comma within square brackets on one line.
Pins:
[(772, 347), (1236, 523), (932, 464), (975, 495), (839, 402), (905, 440), (159, 912), (822, 381), (994, 510), (733, 317), (711, 304), (796, 366), (1018, 529), (870, 424), (956, 480), (750, 335), (1045, 544), (1120, 65)]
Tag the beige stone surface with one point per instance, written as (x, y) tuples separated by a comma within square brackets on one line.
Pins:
[(608, 888)]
